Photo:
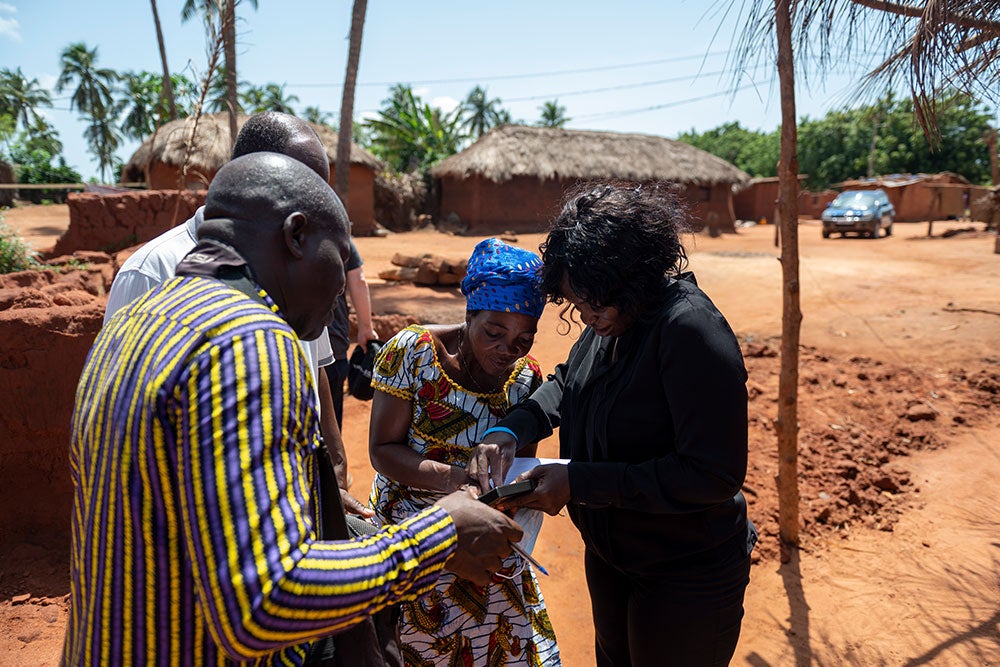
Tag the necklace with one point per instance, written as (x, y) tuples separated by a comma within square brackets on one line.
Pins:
[(467, 368)]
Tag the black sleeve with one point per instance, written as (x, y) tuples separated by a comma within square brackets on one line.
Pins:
[(536, 417), (704, 380)]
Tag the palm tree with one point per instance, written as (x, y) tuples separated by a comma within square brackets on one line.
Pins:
[(553, 115), (314, 114), (481, 113), (276, 100), (93, 98), (93, 85), (227, 9), (21, 97), (342, 161), (142, 103), (410, 134), (168, 89)]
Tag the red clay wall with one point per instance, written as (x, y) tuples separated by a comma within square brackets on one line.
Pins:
[(361, 199), (528, 204), (711, 207), (112, 222), (48, 321), (484, 207)]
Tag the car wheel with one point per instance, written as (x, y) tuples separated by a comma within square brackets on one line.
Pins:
[(826, 234), (877, 225), (888, 230)]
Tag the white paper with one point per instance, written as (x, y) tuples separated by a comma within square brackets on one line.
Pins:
[(530, 520), (526, 463)]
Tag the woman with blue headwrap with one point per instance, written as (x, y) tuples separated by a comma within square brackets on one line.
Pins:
[(440, 389)]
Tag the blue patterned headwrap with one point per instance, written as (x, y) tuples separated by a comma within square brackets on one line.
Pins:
[(503, 278)]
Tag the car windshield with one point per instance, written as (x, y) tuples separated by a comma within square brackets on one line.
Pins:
[(855, 200)]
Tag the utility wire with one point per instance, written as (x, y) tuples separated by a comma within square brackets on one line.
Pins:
[(628, 112), (530, 75)]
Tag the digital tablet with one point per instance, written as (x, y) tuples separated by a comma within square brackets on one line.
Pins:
[(493, 496)]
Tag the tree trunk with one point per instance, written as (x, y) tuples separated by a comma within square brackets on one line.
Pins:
[(229, 50), (871, 149), (791, 314), (991, 141), (168, 87), (342, 163)]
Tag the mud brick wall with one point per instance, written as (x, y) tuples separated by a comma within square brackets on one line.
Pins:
[(112, 222)]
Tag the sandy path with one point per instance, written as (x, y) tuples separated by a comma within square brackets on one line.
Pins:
[(925, 593)]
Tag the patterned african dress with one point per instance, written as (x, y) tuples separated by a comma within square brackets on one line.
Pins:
[(459, 623)]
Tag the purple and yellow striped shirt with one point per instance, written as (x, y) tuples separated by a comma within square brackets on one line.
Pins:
[(193, 459)]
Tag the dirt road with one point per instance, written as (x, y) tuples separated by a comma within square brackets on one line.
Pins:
[(888, 324)]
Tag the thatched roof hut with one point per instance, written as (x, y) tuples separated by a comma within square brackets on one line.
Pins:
[(514, 177), (158, 163)]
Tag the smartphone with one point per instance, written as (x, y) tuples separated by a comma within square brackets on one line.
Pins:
[(493, 496)]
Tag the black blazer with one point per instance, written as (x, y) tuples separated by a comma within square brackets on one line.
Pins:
[(657, 439)]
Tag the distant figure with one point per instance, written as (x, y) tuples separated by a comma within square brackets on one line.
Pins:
[(340, 329), (195, 455), (439, 390)]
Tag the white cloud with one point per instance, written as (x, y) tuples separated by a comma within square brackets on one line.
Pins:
[(369, 115), (9, 26), (445, 104)]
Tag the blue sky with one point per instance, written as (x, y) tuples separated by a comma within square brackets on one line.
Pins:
[(629, 66)]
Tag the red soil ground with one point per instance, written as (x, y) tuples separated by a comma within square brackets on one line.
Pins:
[(899, 461)]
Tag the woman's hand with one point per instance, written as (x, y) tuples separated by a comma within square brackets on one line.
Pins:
[(491, 459), (552, 492)]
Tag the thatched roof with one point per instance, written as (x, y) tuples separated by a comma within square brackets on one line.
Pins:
[(550, 153), (211, 147)]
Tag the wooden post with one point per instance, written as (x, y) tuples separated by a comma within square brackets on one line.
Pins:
[(787, 425)]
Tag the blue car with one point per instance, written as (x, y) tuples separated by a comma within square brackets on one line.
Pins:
[(863, 212)]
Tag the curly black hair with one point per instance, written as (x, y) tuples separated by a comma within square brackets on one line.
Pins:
[(617, 243)]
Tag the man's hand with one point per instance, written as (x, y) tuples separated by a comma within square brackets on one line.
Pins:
[(484, 536), (491, 460), (354, 506), (365, 335)]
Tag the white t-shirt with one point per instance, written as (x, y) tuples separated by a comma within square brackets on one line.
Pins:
[(155, 262)]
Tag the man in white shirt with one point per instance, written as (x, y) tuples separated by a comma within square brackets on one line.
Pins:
[(155, 261)]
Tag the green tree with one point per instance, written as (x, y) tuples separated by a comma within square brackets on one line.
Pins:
[(887, 138), (275, 99), (314, 114), (410, 134), (142, 93), (479, 113), (553, 115), (93, 97), (216, 101), (21, 97), (753, 151)]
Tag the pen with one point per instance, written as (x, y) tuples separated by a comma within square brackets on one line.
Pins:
[(527, 557)]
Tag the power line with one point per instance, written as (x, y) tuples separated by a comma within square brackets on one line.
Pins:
[(629, 112), (530, 75)]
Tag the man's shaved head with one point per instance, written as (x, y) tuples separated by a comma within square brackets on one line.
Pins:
[(290, 226), (276, 132), (270, 186)]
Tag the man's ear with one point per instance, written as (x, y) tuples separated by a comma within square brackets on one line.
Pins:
[(293, 230)]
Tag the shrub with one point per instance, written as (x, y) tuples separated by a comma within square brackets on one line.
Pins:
[(15, 255)]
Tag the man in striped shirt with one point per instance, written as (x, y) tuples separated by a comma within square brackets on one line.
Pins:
[(194, 454)]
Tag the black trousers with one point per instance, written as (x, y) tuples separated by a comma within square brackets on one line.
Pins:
[(336, 373), (686, 618)]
